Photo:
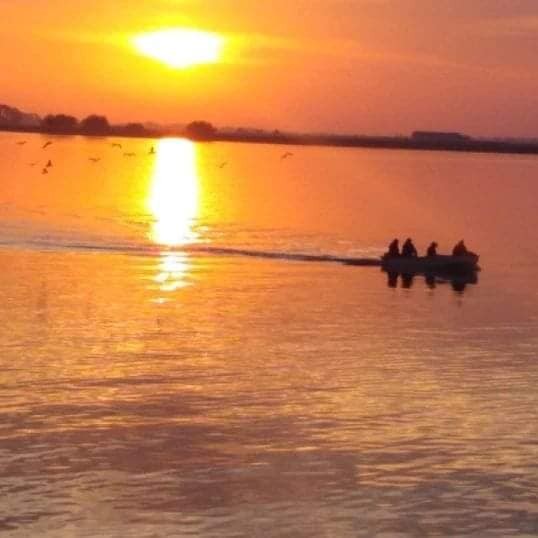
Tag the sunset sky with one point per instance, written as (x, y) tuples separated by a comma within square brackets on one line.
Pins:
[(361, 66)]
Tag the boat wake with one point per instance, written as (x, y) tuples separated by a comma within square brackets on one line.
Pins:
[(50, 244), (289, 256)]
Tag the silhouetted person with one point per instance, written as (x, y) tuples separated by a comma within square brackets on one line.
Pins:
[(394, 249), (460, 249), (408, 249), (432, 250)]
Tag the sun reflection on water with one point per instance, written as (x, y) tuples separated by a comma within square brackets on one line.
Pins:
[(174, 193), (173, 202)]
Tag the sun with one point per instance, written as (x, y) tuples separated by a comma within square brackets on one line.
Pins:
[(180, 48)]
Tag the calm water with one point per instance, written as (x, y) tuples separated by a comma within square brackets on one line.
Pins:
[(154, 384)]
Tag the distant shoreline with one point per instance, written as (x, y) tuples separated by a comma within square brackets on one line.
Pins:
[(347, 141), (386, 142)]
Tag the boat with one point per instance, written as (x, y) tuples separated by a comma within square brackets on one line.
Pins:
[(441, 263)]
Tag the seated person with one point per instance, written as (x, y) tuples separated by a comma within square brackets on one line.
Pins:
[(460, 249), (408, 249), (394, 249), (432, 250)]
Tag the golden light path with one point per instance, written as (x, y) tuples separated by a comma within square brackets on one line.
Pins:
[(180, 48), (173, 202)]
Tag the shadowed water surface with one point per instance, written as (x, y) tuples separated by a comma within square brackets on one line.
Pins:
[(154, 383)]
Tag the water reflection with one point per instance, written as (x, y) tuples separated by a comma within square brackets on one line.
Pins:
[(407, 280), (458, 282), (174, 193), (172, 271), (173, 201)]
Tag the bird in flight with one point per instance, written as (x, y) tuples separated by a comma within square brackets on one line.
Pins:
[(286, 155), (95, 159), (116, 145), (129, 154), (223, 164), (44, 171), (46, 144), (21, 143)]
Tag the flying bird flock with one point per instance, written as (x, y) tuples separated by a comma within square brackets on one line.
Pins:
[(49, 165)]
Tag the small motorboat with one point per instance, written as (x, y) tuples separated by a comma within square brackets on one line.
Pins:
[(441, 263)]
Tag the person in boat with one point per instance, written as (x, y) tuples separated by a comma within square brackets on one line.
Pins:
[(460, 249), (394, 249), (432, 250), (408, 249)]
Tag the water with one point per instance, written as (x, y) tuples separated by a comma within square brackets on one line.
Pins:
[(155, 384)]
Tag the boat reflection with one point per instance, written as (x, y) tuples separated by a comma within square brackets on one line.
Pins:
[(458, 281), (174, 203)]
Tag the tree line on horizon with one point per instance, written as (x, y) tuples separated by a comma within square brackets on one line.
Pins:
[(95, 124)]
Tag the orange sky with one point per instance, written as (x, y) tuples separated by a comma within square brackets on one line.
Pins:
[(366, 66)]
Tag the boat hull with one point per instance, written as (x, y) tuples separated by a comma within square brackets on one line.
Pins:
[(431, 264)]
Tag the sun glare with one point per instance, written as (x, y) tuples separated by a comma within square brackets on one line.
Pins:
[(180, 48)]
